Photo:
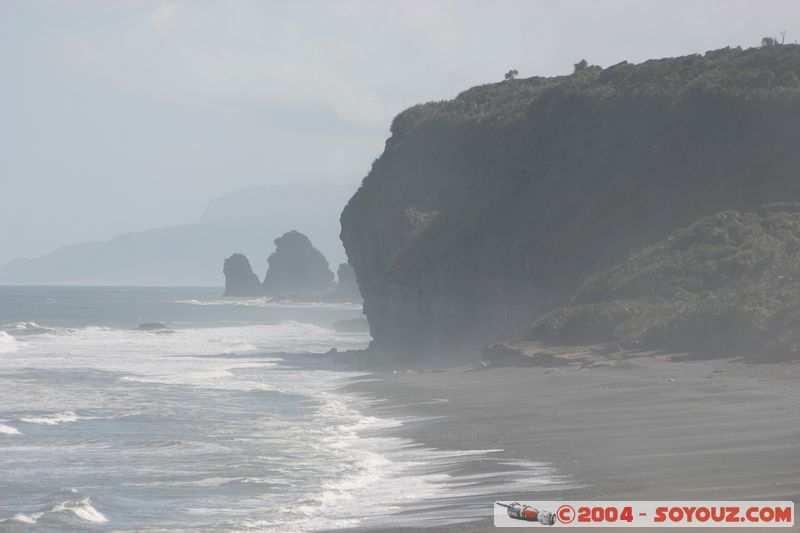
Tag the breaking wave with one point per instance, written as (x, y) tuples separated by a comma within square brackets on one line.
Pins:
[(18, 329), (267, 302), (7, 342), (52, 420), (83, 509), (8, 430)]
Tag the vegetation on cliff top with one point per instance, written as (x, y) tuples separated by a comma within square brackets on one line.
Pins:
[(728, 284), (767, 72)]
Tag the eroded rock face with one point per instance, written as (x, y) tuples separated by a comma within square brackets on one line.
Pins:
[(240, 280), (487, 211), (296, 268)]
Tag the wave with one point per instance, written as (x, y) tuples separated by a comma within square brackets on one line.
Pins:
[(369, 475), (8, 430), (83, 509), (7, 343), (201, 357), (25, 518), (268, 302), (52, 420), (24, 328)]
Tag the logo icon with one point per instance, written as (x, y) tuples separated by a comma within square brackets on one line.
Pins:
[(527, 513), (565, 514)]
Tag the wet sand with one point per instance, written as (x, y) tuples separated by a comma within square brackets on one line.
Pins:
[(637, 428)]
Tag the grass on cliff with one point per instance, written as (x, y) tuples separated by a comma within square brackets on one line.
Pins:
[(728, 284)]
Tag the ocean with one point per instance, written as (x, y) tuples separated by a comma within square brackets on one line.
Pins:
[(229, 420)]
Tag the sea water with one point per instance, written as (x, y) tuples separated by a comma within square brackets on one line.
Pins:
[(229, 419)]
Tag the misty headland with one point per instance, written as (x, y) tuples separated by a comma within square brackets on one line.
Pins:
[(633, 205)]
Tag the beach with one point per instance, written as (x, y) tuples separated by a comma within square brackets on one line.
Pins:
[(636, 427)]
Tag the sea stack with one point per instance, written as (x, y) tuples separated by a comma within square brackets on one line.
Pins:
[(296, 268), (347, 278), (346, 287), (240, 280)]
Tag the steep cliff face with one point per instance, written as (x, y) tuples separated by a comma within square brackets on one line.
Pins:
[(485, 211), (240, 280), (296, 268)]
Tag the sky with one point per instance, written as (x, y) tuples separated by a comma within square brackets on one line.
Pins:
[(122, 115)]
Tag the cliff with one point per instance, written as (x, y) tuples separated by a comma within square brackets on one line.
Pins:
[(296, 268), (488, 210), (240, 280)]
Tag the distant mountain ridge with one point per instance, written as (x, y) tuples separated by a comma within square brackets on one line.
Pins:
[(242, 221)]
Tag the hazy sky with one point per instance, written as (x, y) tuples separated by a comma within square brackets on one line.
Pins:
[(121, 115)]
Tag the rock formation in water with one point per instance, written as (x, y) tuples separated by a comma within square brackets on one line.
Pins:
[(296, 268), (346, 278), (486, 211), (346, 286), (240, 280)]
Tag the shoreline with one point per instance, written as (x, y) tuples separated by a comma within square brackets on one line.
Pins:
[(638, 428)]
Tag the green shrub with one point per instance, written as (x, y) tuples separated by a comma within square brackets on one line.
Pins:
[(728, 284)]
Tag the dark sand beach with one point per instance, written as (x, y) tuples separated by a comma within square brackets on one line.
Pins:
[(637, 428)]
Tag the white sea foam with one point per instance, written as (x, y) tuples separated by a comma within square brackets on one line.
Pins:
[(7, 342), (83, 509), (371, 475), (202, 357), (267, 302), (87, 512), (24, 328), (8, 430), (51, 420), (26, 518)]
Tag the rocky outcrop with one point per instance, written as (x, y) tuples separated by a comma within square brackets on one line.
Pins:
[(296, 271), (240, 280), (487, 211), (346, 286), (297, 268), (346, 278)]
